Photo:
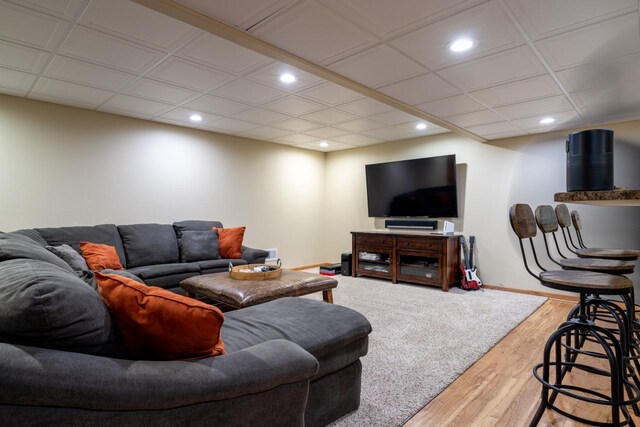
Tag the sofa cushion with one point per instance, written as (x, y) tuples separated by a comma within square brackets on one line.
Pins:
[(198, 245), (17, 246), (195, 225), (149, 244), (46, 306), (159, 325), (218, 263), (99, 256), (106, 234), (231, 241), (151, 271), (73, 258), (337, 336), (33, 235)]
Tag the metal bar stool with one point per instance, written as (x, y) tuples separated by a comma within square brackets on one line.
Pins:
[(565, 220), (612, 347)]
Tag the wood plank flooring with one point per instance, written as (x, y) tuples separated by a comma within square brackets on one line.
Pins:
[(500, 390)]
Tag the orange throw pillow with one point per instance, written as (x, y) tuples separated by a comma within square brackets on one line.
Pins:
[(100, 257), (159, 325), (230, 242)]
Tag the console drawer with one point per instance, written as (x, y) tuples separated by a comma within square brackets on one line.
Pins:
[(372, 239), (419, 243)]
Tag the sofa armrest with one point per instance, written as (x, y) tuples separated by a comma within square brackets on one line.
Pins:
[(254, 256), (34, 376)]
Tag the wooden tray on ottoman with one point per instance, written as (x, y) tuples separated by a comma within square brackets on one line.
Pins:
[(244, 293), (238, 273)]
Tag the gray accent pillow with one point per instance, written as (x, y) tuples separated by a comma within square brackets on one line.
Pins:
[(16, 246), (195, 225), (199, 245), (73, 258), (149, 244), (46, 306)]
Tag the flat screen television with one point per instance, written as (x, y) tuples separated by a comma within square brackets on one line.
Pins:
[(413, 188)]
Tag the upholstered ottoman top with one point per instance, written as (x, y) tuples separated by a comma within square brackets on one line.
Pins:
[(245, 293)]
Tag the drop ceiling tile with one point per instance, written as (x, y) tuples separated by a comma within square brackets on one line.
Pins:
[(240, 14), (99, 48), (536, 87), (365, 107), (331, 94), (25, 26), (219, 53), (87, 73), (385, 18), (313, 32), (270, 75), (15, 82), (232, 126), (329, 116), (294, 106), (537, 107), (296, 139), (390, 133), (57, 91), (174, 122), (474, 119), (378, 66), (360, 125), (262, 116), (188, 74), (535, 18), (615, 37), (215, 105), (163, 92), (495, 128), (511, 134), (613, 97), (357, 139), (65, 9), (298, 125), (125, 104), (248, 92), (395, 117), (499, 68), (459, 104), (420, 89), (181, 115), (487, 24), (603, 73), (333, 146), (22, 58), (264, 133), (562, 119), (611, 113), (326, 132), (139, 24)]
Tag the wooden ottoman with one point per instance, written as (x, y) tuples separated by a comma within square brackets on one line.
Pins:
[(244, 293)]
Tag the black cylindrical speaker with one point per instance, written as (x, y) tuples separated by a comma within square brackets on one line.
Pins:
[(590, 160)]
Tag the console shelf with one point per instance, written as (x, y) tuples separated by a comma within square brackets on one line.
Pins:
[(413, 257)]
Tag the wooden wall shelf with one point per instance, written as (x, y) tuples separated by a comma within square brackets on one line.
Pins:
[(618, 197)]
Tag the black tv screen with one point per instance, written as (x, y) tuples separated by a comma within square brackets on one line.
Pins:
[(419, 187)]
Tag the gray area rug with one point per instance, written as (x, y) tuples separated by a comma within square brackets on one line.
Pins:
[(422, 340)]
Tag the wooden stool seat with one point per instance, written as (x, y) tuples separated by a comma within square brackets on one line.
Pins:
[(585, 281), (620, 254), (610, 266)]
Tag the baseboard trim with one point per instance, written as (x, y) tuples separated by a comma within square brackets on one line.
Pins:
[(549, 295), (306, 267)]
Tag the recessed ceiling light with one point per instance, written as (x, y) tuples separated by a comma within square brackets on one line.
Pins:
[(462, 45), (324, 144), (195, 118), (547, 120), (287, 78), (421, 126)]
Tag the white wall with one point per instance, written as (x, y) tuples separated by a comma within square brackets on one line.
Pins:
[(67, 166), (498, 174)]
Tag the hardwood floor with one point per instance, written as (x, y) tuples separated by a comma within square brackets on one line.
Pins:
[(500, 390)]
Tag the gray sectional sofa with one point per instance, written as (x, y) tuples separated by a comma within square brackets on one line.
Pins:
[(292, 361)]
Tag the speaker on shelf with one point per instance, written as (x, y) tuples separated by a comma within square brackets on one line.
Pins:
[(408, 223)]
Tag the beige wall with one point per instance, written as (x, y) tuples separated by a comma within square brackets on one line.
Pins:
[(498, 174), (67, 166)]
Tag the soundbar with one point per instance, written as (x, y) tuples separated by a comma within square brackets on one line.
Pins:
[(407, 223)]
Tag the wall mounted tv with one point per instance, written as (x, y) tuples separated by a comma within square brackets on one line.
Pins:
[(413, 188)]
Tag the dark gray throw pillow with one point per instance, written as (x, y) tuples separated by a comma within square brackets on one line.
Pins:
[(16, 246), (73, 258), (46, 306), (199, 245)]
